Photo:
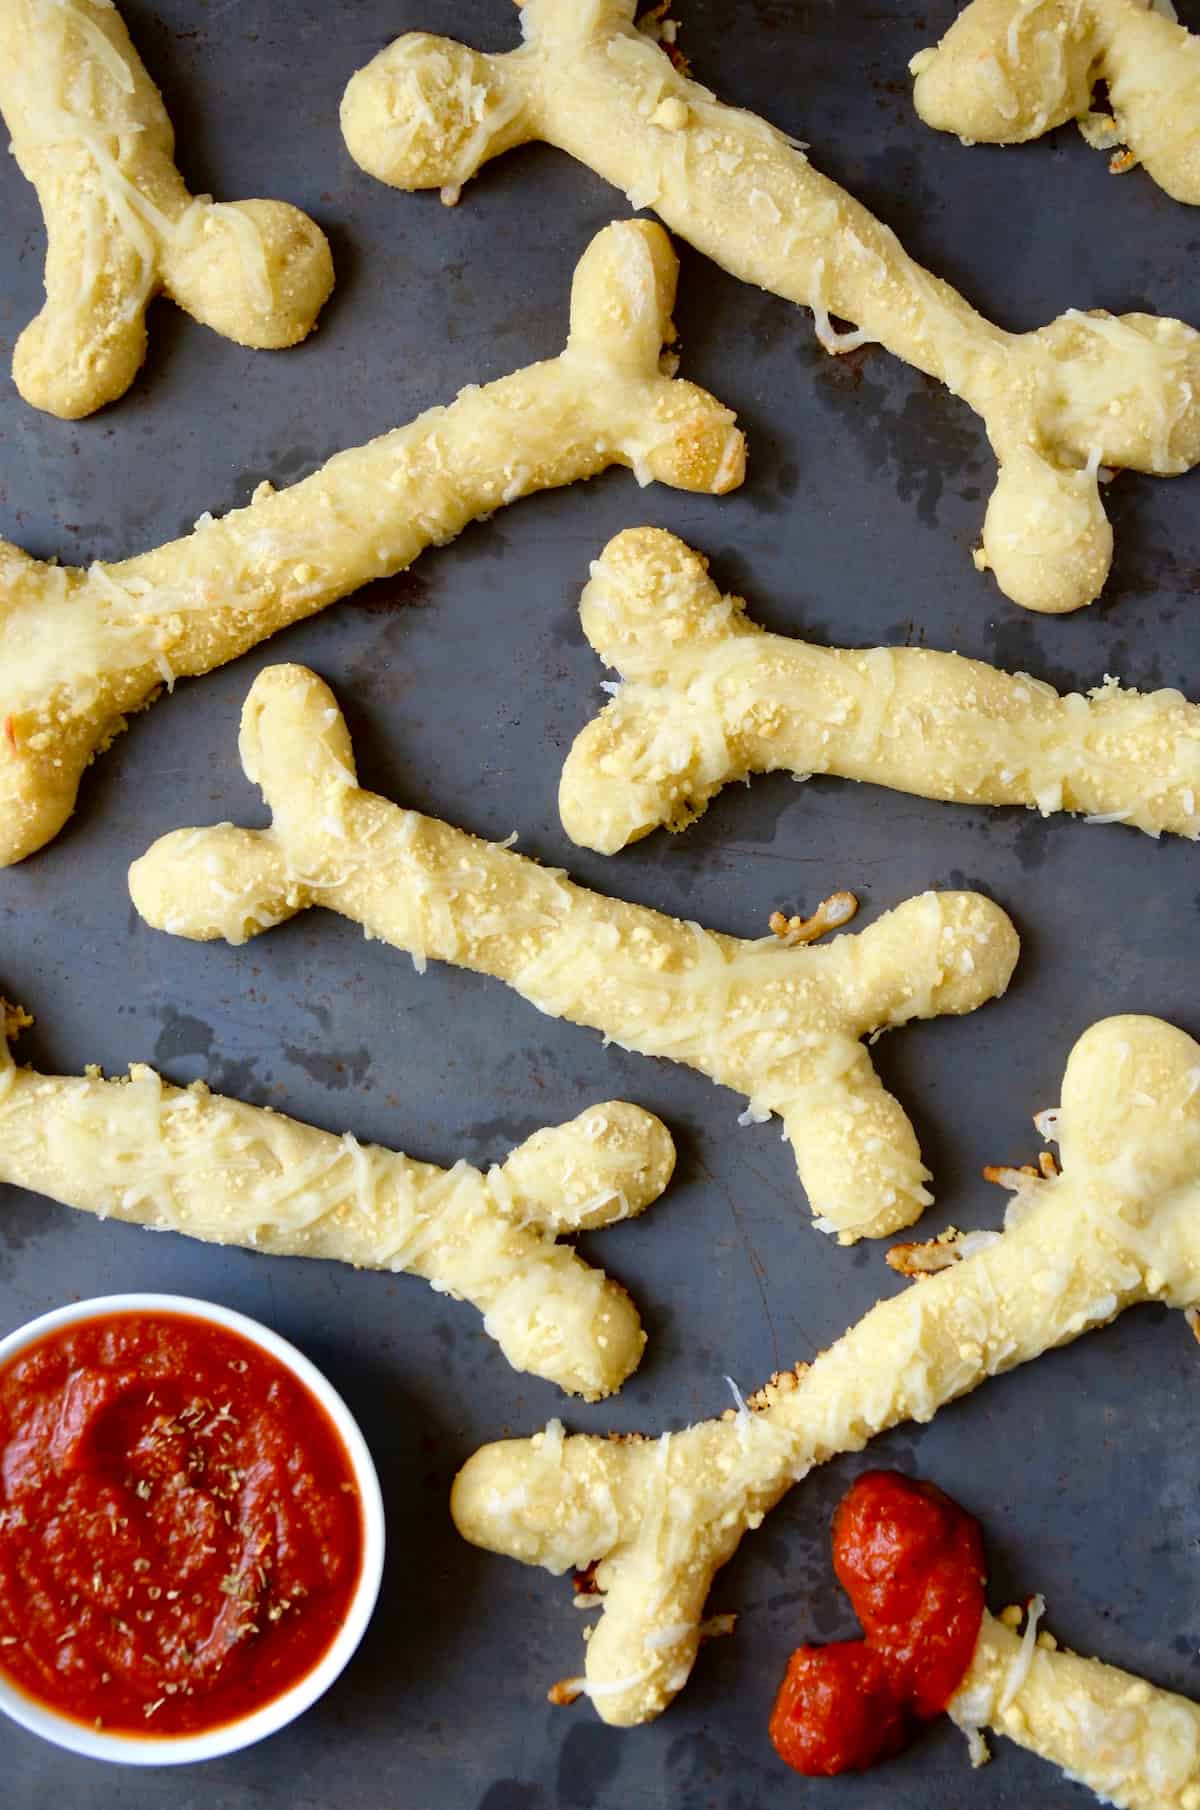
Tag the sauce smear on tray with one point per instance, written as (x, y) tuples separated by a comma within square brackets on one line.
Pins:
[(180, 1530), (911, 1562)]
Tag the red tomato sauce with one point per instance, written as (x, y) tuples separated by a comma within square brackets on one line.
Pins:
[(180, 1528), (911, 1562)]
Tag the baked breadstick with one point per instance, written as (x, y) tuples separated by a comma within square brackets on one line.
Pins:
[(1009, 70), (80, 649), (1121, 1224), (1135, 1745), (182, 1159), (780, 1025), (1089, 390), (90, 131), (708, 697)]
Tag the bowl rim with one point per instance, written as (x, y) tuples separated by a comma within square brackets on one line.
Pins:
[(228, 1737)]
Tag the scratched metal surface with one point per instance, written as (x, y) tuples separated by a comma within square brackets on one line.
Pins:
[(465, 682)]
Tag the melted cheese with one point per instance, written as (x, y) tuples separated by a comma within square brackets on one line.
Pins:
[(89, 130), (588, 80), (1134, 1745), (781, 1026), (1018, 1671), (80, 651), (831, 340), (708, 698), (1122, 1225), (189, 1161), (1009, 70)]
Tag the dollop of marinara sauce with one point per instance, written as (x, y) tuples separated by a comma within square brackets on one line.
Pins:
[(180, 1529), (911, 1562)]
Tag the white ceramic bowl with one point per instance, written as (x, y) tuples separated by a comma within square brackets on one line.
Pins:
[(175, 1750)]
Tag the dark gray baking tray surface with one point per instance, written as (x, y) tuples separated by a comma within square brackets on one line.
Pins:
[(464, 683)]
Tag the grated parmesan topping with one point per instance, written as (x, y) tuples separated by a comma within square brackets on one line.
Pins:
[(191, 1161)]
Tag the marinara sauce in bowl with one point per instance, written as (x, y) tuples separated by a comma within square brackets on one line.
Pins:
[(191, 1529)]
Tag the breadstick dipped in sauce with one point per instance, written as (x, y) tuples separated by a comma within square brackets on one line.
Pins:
[(912, 1563)]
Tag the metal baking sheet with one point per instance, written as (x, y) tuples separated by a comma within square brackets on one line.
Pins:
[(464, 683)]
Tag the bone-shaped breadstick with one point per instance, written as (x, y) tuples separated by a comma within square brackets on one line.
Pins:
[(778, 1024), (1009, 70), (90, 131), (1121, 1224), (80, 649), (707, 697), (187, 1160), (1135, 1745), (1084, 392)]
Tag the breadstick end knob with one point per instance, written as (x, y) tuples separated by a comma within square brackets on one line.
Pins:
[(258, 272), (216, 883), (1046, 536), (649, 596), (70, 363), (1131, 1099), (427, 112), (608, 1164)]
